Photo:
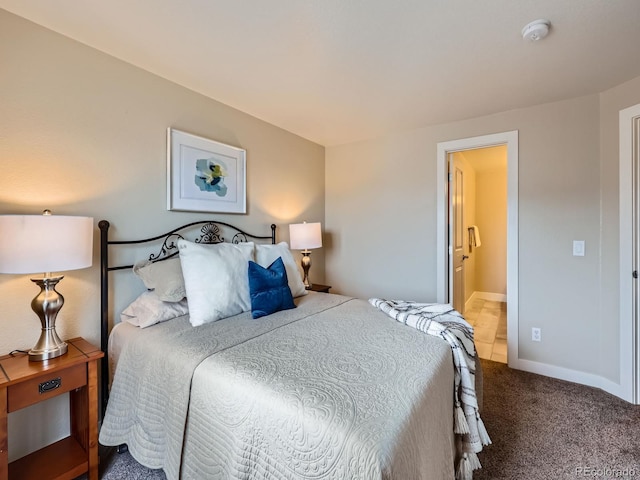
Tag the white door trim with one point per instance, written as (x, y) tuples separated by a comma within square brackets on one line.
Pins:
[(443, 269), (629, 331)]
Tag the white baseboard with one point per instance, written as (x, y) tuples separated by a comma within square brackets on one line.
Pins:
[(569, 375), (494, 297)]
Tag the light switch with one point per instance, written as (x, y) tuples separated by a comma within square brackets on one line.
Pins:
[(578, 248)]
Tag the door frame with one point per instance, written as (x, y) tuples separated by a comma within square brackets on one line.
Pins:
[(443, 247), (629, 186)]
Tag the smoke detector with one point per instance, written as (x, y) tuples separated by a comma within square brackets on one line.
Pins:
[(536, 30)]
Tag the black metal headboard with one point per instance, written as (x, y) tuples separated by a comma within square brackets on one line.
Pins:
[(210, 232)]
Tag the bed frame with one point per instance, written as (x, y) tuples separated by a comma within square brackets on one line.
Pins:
[(204, 231)]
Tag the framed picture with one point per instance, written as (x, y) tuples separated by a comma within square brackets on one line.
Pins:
[(204, 175)]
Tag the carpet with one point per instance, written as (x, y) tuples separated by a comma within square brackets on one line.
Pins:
[(541, 428), (120, 466)]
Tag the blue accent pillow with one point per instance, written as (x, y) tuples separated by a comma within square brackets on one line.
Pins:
[(269, 289)]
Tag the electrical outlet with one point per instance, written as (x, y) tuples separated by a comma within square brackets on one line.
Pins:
[(536, 334)]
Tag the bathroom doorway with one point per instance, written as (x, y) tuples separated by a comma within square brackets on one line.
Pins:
[(491, 304), (479, 239)]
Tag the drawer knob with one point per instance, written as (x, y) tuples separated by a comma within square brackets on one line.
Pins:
[(49, 385)]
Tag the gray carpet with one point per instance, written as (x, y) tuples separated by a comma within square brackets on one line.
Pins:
[(544, 428), (541, 429), (118, 466)]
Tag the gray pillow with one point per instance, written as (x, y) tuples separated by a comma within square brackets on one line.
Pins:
[(164, 278), (148, 309)]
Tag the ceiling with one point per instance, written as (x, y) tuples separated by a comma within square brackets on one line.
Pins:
[(338, 71)]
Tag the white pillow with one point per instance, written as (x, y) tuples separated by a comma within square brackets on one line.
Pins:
[(164, 277), (148, 309), (267, 254), (216, 279)]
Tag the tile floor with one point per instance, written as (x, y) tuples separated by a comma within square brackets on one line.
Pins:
[(489, 320)]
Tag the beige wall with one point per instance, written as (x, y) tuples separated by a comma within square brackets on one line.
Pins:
[(82, 133), (491, 216), (381, 208)]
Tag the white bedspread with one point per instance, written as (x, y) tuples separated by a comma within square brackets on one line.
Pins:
[(333, 389)]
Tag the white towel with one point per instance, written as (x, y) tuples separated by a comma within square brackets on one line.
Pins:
[(474, 236)]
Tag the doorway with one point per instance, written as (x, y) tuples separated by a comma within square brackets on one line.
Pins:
[(447, 272), (478, 236)]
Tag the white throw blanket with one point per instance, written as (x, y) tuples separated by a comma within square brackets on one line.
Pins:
[(443, 321)]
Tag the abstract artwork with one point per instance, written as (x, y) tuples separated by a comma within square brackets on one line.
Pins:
[(204, 175)]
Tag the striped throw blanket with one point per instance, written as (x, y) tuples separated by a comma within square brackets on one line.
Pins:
[(443, 321)]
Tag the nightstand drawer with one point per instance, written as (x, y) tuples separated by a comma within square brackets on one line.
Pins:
[(46, 386)]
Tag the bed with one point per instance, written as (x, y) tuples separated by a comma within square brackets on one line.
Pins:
[(329, 388)]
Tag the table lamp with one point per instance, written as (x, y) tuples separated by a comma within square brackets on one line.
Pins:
[(304, 236), (45, 243)]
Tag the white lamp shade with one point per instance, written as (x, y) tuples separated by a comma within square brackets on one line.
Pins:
[(303, 236), (45, 243)]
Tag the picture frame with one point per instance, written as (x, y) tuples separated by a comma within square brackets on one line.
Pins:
[(204, 175)]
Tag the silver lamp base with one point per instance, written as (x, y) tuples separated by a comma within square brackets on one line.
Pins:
[(47, 304), (49, 346)]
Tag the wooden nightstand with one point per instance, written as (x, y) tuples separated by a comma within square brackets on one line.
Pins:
[(24, 383), (316, 287)]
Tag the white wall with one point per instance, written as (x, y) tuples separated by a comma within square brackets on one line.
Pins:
[(381, 210), (82, 133)]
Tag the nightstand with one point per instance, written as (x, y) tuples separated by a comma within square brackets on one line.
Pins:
[(316, 287), (24, 383)]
